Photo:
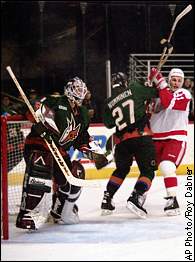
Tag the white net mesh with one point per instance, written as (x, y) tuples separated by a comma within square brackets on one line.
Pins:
[(16, 133)]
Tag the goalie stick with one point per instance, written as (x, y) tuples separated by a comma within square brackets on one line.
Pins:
[(51, 145)]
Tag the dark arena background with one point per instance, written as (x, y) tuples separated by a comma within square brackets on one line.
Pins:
[(48, 42), (45, 43)]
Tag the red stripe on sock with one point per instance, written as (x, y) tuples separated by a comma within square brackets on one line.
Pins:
[(170, 181)]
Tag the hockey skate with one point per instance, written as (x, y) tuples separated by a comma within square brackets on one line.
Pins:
[(107, 205), (172, 206), (135, 204)]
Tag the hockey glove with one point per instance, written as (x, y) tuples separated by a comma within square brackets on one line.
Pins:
[(78, 169), (99, 160), (166, 44), (158, 79), (95, 153)]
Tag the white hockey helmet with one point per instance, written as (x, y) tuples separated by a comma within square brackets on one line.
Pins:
[(176, 72), (75, 90)]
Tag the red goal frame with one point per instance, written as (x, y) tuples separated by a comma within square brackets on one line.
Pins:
[(4, 180)]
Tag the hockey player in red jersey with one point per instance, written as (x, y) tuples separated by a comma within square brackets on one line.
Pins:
[(169, 124)]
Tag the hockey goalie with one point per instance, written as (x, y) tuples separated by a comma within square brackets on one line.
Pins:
[(46, 194)]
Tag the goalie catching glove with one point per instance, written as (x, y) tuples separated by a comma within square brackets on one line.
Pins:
[(95, 153), (46, 127)]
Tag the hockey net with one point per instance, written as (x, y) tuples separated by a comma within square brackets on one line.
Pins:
[(13, 133)]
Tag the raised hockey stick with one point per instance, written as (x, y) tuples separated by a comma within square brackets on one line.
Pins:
[(168, 51), (51, 145)]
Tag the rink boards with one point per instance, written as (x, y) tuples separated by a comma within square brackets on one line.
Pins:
[(101, 134)]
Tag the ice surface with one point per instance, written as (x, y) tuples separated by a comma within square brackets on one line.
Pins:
[(118, 237)]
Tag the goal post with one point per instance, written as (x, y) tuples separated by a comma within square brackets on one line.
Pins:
[(4, 182)]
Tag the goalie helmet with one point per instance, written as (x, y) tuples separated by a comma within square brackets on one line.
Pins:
[(75, 90), (119, 79), (176, 72)]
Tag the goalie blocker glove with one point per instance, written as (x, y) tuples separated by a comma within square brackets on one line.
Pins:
[(95, 153), (99, 160)]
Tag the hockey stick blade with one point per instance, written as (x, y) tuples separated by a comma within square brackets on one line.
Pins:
[(184, 12), (165, 55)]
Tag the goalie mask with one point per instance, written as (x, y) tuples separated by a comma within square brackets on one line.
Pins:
[(75, 90), (175, 72), (119, 79)]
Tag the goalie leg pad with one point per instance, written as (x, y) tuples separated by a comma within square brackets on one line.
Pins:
[(37, 180), (40, 170), (64, 200), (58, 199), (69, 214), (64, 210), (36, 195)]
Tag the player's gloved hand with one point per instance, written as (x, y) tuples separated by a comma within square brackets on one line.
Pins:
[(78, 169), (158, 79), (41, 130), (166, 44), (92, 148), (94, 152), (87, 152), (39, 114)]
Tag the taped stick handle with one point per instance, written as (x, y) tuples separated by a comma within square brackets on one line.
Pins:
[(22, 93), (51, 145)]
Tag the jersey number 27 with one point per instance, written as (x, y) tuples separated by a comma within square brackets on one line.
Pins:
[(118, 113)]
